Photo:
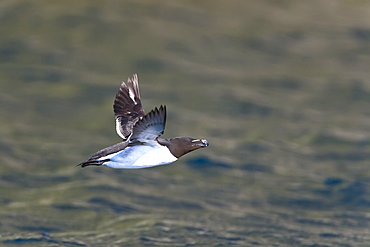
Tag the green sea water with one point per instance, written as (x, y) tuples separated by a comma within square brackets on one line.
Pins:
[(280, 89)]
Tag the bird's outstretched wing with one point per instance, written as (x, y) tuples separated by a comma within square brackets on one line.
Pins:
[(127, 107), (150, 126)]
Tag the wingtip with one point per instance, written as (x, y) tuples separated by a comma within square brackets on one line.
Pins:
[(161, 108), (133, 79), (158, 110), (123, 85)]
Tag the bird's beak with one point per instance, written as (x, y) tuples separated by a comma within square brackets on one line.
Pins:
[(201, 142)]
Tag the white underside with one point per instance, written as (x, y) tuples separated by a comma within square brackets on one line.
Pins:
[(140, 156)]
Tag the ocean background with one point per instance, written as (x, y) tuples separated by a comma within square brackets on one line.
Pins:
[(280, 89)]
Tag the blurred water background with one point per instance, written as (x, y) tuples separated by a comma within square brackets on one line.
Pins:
[(280, 89)]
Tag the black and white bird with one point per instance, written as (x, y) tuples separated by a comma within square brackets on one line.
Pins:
[(142, 145)]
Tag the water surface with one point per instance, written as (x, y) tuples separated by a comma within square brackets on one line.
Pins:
[(279, 89)]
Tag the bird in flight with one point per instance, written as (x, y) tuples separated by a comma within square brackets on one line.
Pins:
[(142, 145)]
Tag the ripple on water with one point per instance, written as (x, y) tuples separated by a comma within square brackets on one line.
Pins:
[(101, 203)]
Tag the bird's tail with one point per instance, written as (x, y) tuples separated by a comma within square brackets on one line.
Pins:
[(93, 163)]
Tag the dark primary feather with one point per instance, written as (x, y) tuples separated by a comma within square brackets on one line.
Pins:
[(126, 109)]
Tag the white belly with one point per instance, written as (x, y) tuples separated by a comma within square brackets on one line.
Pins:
[(140, 157)]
